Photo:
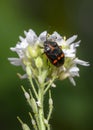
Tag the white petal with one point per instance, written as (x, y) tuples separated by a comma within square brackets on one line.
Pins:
[(31, 37), (72, 81), (56, 37), (81, 62), (15, 61), (52, 37), (13, 49), (73, 69), (69, 53), (21, 38), (22, 45), (76, 44), (42, 36), (71, 39), (25, 32), (24, 76)]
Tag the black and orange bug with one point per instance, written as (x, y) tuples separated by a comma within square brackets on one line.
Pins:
[(54, 53)]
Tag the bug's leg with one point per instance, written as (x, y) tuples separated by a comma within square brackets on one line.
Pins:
[(60, 47), (42, 48), (48, 63)]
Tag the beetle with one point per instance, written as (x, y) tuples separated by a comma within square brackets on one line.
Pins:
[(54, 53)]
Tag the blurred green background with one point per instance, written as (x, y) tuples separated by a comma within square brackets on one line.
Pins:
[(73, 106)]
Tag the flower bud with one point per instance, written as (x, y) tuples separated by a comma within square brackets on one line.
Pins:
[(27, 96), (33, 122), (32, 51), (33, 105), (28, 70), (42, 77), (25, 126), (39, 62), (50, 102)]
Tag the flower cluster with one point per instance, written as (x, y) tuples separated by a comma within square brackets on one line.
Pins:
[(35, 63)]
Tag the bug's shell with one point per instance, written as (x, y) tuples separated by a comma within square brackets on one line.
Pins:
[(54, 53)]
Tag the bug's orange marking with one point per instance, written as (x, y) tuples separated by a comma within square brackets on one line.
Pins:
[(62, 55), (55, 61), (52, 48), (59, 58)]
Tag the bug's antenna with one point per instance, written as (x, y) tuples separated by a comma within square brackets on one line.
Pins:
[(49, 28), (47, 35)]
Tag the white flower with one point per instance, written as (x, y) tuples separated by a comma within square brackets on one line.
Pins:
[(31, 47)]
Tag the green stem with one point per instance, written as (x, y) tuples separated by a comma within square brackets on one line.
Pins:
[(50, 106), (48, 126), (47, 88), (32, 119), (41, 111), (37, 120), (33, 87)]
